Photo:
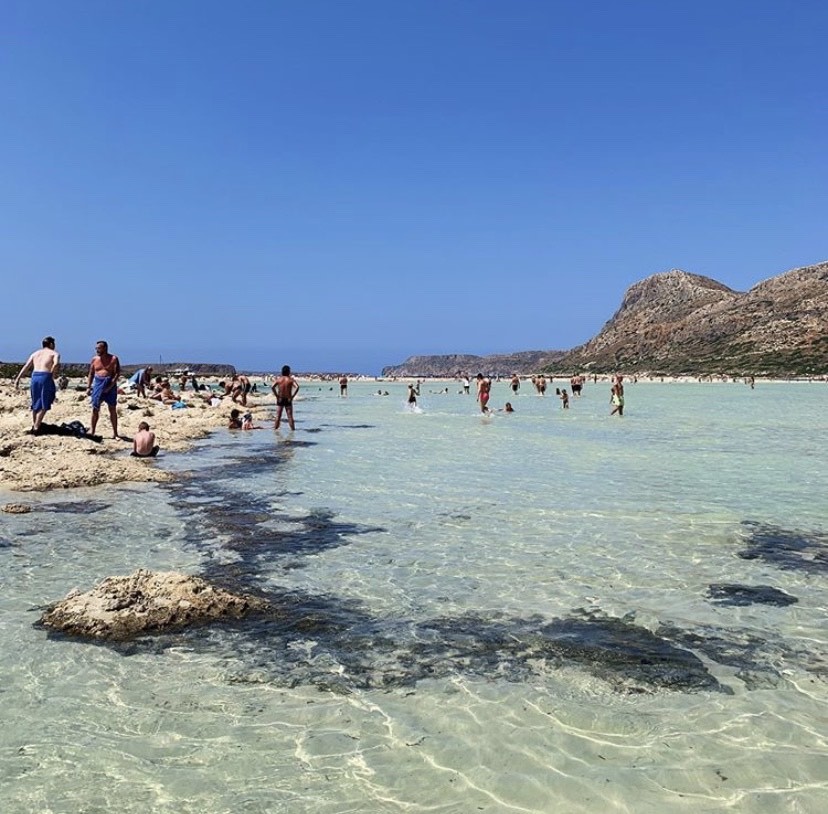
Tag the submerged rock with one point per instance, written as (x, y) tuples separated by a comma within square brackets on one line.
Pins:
[(121, 608), (741, 595), (16, 508)]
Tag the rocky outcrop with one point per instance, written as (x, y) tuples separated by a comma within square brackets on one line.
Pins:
[(683, 323), (121, 608), (456, 365)]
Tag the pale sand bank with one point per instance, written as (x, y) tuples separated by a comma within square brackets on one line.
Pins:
[(37, 463)]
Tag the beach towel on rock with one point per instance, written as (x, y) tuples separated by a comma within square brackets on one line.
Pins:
[(42, 390), (101, 394)]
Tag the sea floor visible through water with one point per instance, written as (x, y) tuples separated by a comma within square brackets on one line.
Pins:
[(545, 611)]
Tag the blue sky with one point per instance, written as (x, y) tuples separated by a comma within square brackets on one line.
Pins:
[(339, 185)]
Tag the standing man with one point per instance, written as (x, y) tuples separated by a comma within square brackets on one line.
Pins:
[(102, 384), (44, 364), (515, 383), (343, 386), (484, 386), (285, 389)]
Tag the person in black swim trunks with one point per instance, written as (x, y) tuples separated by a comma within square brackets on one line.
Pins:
[(285, 389)]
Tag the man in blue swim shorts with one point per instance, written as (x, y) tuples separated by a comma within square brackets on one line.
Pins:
[(102, 385), (44, 364)]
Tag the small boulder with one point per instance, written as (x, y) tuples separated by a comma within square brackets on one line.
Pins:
[(121, 608)]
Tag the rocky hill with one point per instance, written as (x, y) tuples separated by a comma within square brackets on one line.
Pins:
[(460, 364), (677, 322)]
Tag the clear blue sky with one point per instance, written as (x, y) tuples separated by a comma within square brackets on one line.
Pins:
[(338, 185)]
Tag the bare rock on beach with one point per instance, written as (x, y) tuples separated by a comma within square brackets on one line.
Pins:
[(121, 608)]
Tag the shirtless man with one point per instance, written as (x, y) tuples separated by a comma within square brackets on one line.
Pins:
[(343, 386), (285, 389), (44, 364), (143, 443), (102, 385), (515, 383), (484, 387), (239, 389)]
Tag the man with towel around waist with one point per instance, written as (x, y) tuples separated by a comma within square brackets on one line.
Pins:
[(44, 364), (102, 384)]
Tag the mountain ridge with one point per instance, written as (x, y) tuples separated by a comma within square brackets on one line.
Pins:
[(680, 322)]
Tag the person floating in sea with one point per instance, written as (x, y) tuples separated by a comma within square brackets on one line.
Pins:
[(44, 364), (143, 442), (484, 386), (102, 385), (285, 389), (343, 386)]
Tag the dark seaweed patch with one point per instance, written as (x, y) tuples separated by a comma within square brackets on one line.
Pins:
[(74, 507), (740, 595), (786, 549), (334, 645)]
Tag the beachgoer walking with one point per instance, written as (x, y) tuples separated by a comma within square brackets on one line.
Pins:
[(564, 399), (44, 364), (577, 383), (343, 386), (515, 383), (484, 386), (239, 389), (102, 385), (617, 396), (412, 396), (466, 385), (285, 389), (143, 443)]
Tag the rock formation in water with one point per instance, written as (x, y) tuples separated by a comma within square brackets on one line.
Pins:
[(677, 322), (121, 608)]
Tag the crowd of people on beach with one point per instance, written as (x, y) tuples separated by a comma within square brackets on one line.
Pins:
[(103, 386)]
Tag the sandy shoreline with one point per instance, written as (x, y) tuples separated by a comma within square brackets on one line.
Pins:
[(38, 463)]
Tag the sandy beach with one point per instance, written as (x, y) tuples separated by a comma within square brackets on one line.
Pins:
[(37, 463)]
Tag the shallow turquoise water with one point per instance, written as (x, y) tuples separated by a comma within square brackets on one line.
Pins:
[(481, 614)]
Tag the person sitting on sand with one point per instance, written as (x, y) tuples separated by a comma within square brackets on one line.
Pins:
[(235, 422), (44, 364), (143, 443), (163, 392), (247, 422)]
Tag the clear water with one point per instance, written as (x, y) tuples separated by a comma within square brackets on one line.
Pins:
[(505, 614)]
